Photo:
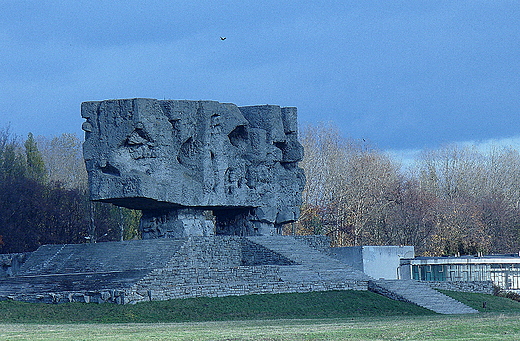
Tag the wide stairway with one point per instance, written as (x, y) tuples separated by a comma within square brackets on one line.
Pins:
[(420, 294), (100, 257), (132, 271), (110, 266), (313, 265)]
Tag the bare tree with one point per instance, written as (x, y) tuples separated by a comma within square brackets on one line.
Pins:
[(478, 196), (349, 185), (64, 160)]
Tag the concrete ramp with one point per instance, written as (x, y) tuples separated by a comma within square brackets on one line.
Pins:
[(420, 294)]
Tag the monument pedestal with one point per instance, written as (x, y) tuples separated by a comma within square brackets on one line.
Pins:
[(176, 223)]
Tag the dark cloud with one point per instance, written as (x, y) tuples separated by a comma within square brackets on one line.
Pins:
[(403, 74)]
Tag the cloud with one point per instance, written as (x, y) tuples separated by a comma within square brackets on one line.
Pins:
[(488, 145), (404, 75), (408, 157)]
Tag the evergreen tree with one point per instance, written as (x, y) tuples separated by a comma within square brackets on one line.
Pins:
[(12, 163), (35, 165)]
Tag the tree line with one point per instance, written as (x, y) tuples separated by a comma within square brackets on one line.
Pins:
[(44, 196), (453, 200)]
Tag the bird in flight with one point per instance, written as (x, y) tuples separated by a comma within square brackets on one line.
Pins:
[(222, 38)]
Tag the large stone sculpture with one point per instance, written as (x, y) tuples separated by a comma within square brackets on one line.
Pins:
[(195, 167)]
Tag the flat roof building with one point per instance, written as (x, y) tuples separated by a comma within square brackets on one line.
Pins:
[(502, 270)]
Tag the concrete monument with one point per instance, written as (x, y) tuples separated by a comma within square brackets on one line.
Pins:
[(195, 168)]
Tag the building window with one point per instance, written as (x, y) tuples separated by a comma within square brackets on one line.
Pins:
[(415, 272)]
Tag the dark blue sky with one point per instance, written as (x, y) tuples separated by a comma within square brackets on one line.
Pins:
[(401, 74)]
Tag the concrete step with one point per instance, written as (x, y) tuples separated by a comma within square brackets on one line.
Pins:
[(312, 264), (31, 285), (421, 294), (100, 257)]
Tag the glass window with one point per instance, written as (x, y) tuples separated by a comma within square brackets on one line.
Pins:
[(415, 272)]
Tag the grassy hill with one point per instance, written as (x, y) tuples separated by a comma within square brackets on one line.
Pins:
[(485, 303), (329, 304), (313, 305)]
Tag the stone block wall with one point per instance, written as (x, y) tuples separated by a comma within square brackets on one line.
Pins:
[(247, 280), (229, 266), (318, 242), (255, 254), (95, 296)]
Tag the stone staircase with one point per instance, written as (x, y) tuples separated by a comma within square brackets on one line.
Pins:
[(100, 257), (133, 271), (53, 273), (420, 294), (312, 265)]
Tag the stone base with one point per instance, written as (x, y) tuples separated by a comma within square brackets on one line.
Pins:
[(161, 269), (186, 222)]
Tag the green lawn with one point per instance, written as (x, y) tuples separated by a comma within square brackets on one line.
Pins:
[(435, 327), (335, 315), (492, 303), (329, 304)]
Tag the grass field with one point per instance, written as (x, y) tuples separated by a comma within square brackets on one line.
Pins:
[(339, 315), (436, 327)]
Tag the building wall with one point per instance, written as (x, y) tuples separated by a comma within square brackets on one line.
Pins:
[(383, 261), (351, 255), (375, 261)]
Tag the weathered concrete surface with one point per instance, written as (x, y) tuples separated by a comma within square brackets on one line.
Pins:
[(380, 262), (195, 168)]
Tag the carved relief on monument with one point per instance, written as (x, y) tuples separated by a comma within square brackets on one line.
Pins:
[(175, 159)]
